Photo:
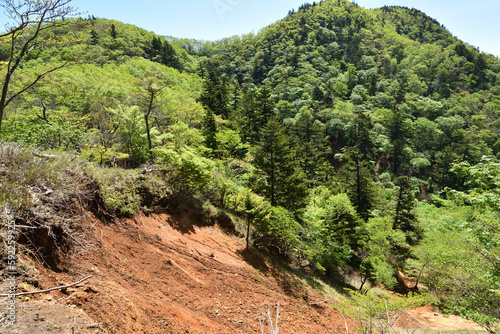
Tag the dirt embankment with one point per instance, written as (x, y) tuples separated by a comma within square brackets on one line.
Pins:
[(164, 274)]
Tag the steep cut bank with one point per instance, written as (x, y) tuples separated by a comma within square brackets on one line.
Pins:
[(165, 274)]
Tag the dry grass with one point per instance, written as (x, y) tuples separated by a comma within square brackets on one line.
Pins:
[(30, 181), (47, 197)]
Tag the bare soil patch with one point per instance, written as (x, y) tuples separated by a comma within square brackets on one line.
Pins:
[(165, 274)]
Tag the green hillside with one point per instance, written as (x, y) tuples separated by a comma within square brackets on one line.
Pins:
[(353, 138)]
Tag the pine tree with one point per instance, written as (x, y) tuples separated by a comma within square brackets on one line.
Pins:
[(399, 134), (405, 218), (248, 121), (360, 185), (276, 157), (215, 95), (169, 56), (210, 129), (256, 109), (265, 105), (156, 46), (114, 34), (94, 37), (312, 148)]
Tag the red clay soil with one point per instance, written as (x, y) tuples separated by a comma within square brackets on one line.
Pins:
[(161, 274), (164, 274)]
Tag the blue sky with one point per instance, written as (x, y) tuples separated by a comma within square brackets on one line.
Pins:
[(476, 22)]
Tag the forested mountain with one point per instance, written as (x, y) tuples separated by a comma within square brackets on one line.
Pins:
[(350, 137), (336, 56)]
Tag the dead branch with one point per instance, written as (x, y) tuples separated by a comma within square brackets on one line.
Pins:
[(345, 322), (48, 290), (328, 329), (28, 227), (41, 155), (146, 171), (323, 301)]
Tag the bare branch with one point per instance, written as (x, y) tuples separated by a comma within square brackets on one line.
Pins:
[(34, 82), (323, 301), (44, 113), (44, 155), (48, 290)]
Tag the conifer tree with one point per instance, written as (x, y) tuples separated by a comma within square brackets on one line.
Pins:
[(265, 105), (249, 124), (210, 129), (405, 218), (94, 37), (169, 56), (156, 47), (359, 176), (399, 134), (257, 108), (276, 157), (215, 95), (312, 148), (114, 34)]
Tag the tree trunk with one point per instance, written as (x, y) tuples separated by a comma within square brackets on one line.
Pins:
[(272, 178), (146, 120), (248, 233), (363, 283), (3, 98), (148, 131), (398, 207), (1, 116)]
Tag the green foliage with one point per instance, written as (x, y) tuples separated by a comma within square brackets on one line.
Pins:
[(275, 156), (215, 95), (482, 181), (229, 145), (405, 217), (460, 254), (120, 189), (280, 224), (133, 134), (210, 130), (333, 228), (188, 171), (382, 261)]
